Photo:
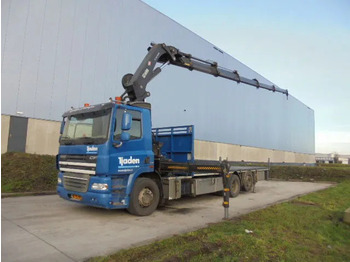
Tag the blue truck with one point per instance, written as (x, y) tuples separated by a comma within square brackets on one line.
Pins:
[(111, 157)]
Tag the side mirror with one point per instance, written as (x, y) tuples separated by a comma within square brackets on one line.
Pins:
[(125, 136), (126, 125), (126, 121)]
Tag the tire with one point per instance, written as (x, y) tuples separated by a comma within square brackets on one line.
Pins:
[(235, 186), (144, 197), (248, 182)]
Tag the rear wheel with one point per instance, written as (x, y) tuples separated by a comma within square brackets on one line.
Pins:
[(248, 182), (235, 186), (144, 197)]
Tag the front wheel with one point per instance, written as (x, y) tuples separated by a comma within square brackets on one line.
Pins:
[(144, 197)]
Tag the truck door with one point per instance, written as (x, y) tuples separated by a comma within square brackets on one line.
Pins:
[(126, 157)]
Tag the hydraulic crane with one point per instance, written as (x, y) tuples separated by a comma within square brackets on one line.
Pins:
[(110, 156), (135, 84)]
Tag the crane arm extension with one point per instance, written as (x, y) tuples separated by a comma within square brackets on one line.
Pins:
[(135, 84)]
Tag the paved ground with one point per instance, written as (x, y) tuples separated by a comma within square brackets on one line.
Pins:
[(47, 228)]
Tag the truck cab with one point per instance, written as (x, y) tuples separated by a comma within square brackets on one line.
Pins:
[(103, 149)]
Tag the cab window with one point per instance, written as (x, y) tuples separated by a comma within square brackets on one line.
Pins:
[(136, 126)]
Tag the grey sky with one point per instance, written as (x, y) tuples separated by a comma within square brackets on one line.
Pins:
[(302, 46)]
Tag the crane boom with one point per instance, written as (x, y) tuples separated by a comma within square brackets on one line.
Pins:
[(135, 84)]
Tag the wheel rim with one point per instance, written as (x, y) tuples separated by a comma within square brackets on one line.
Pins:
[(249, 181), (146, 197)]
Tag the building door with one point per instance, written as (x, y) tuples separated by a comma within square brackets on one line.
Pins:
[(17, 134)]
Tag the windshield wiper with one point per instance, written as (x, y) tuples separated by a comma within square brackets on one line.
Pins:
[(81, 140), (66, 140), (87, 140)]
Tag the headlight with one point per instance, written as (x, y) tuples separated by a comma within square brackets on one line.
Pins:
[(59, 180), (99, 186)]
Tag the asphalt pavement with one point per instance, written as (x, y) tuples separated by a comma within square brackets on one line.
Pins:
[(47, 228)]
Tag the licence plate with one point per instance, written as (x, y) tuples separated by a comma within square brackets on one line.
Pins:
[(77, 197)]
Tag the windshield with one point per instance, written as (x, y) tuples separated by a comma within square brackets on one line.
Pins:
[(86, 128)]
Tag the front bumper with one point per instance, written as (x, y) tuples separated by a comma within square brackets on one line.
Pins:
[(103, 200)]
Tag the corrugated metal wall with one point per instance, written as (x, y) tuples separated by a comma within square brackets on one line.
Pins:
[(62, 53)]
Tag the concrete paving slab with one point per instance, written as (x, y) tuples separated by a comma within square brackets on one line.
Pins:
[(20, 245), (47, 228)]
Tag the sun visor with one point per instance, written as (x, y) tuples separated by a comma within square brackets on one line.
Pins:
[(88, 109)]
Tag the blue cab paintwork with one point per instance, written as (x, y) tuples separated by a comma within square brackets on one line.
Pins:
[(108, 169)]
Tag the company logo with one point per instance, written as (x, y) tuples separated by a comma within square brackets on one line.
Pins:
[(125, 161), (91, 149)]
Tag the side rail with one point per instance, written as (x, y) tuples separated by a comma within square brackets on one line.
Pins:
[(177, 142)]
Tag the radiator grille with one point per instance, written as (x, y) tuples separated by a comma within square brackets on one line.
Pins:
[(83, 164), (76, 182)]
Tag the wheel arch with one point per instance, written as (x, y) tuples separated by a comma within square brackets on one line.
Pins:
[(154, 176), (239, 174)]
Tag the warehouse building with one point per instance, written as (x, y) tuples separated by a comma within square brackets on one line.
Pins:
[(332, 158), (60, 54)]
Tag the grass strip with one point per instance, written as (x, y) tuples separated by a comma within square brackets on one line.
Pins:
[(335, 173), (21, 172), (309, 228)]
